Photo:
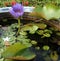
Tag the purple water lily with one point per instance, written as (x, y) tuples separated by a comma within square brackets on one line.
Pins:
[(17, 10)]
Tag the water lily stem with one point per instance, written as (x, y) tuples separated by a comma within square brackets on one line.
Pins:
[(18, 26)]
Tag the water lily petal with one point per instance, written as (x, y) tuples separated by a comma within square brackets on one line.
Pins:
[(17, 10), (18, 7), (13, 13)]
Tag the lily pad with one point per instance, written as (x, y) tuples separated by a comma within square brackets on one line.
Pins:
[(31, 27), (12, 50), (18, 51), (24, 54), (41, 25)]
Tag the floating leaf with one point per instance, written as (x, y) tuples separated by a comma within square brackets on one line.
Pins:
[(46, 35), (15, 25), (23, 39), (37, 48), (47, 31), (40, 32), (23, 33), (33, 42), (30, 27), (24, 54), (33, 29), (54, 56), (41, 25), (13, 49), (46, 47)]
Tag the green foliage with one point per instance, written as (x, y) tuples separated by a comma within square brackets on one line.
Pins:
[(24, 40), (13, 49), (33, 27), (48, 11), (42, 2), (54, 56), (38, 9), (13, 26), (46, 47), (23, 33), (40, 32), (41, 25), (51, 11), (31, 2), (21, 48), (46, 35), (30, 27), (18, 50), (1, 59), (26, 53), (33, 42), (48, 31), (1, 43), (9, 32), (39, 28)]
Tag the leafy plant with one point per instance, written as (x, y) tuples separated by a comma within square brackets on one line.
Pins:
[(48, 11), (13, 49), (18, 50)]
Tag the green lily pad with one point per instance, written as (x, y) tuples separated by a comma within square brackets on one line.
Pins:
[(31, 27), (25, 54), (13, 49), (18, 51), (41, 25), (40, 32)]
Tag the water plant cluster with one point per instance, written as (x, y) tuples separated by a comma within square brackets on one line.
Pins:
[(38, 40), (34, 36)]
